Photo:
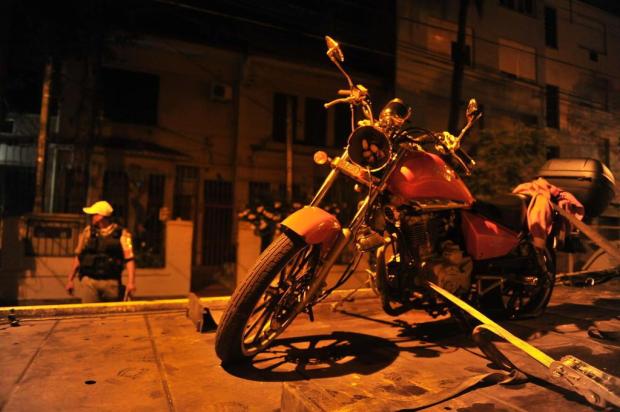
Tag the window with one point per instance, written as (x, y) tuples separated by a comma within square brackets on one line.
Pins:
[(517, 60), (553, 106), (591, 35), (284, 117), (522, 6), (441, 38), (551, 28), (342, 125), (315, 122), (130, 97)]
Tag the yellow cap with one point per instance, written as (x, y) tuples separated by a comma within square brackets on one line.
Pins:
[(101, 207)]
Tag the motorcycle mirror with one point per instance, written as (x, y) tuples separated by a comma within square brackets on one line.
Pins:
[(395, 113), (333, 49), (472, 110)]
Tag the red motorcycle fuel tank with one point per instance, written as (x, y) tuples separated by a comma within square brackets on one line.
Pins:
[(422, 175)]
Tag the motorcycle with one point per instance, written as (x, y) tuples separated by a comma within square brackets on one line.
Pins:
[(418, 220)]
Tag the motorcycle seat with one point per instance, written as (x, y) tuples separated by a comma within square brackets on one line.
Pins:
[(509, 210)]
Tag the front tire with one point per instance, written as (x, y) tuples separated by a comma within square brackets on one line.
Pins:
[(268, 300)]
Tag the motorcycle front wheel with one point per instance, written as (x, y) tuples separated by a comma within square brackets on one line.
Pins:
[(268, 300)]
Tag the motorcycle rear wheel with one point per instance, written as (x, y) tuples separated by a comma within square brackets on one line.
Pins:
[(268, 300), (518, 300)]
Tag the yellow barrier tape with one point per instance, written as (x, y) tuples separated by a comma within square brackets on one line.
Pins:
[(134, 303), (535, 353)]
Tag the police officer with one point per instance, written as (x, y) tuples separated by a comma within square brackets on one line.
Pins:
[(103, 250)]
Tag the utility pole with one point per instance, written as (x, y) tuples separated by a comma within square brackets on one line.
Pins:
[(459, 69), (42, 139), (291, 118)]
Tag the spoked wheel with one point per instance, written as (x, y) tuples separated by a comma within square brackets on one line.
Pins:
[(522, 296), (268, 301)]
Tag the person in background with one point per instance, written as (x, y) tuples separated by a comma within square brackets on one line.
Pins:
[(103, 251)]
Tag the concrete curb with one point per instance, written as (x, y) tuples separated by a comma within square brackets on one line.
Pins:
[(82, 309)]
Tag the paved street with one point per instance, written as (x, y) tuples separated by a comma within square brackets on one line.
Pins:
[(354, 359)]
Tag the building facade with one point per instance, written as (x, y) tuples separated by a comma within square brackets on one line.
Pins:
[(187, 118), (548, 64)]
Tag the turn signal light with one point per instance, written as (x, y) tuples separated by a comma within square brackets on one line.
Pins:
[(320, 157)]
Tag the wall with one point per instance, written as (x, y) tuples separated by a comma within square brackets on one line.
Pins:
[(26, 279)]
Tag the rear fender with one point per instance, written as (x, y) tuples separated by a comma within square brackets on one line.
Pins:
[(314, 225)]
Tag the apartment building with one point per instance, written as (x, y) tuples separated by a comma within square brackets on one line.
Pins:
[(553, 64)]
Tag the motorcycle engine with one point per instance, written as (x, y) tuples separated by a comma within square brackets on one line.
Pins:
[(430, 254), (452, 270)]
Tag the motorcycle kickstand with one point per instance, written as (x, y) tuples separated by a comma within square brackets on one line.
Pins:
[(310, 313)]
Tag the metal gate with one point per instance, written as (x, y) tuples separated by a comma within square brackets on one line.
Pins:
[(217, 245)]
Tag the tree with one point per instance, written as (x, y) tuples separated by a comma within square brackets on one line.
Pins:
[(505, 158)]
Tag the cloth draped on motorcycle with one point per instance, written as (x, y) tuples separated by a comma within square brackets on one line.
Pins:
[(540, 210)]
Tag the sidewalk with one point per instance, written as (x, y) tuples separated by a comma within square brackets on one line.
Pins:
[(155, 361)]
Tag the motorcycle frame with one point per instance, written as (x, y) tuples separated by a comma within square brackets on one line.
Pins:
[(375, 187), (347, 233)]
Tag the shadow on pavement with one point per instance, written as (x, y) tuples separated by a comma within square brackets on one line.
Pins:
[(607, 303), (566, 318), (449, 330), (319, 356)]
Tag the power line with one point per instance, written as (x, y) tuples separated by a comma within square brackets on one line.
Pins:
[(267, 25), (472, 73), (535, 54)]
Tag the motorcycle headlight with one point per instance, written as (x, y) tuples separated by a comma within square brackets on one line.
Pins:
[(369, 148)]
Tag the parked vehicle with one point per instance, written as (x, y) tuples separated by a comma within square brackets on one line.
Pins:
[(418, 219)]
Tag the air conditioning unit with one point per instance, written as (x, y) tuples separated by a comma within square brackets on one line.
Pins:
[(220, 92), (27, 124)]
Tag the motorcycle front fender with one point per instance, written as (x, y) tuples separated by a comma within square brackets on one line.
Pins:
[(313, 224)]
